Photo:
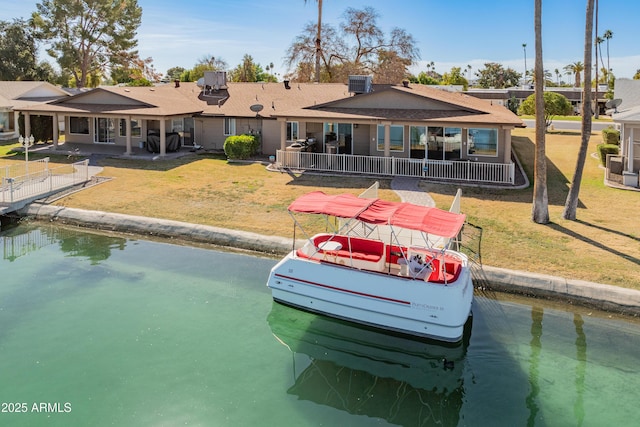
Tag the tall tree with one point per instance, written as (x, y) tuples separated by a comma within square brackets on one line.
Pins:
[(86, 36), (455, 77), (571, 204), (206, 63), (18, 50), (318, 39), (494, 75), (576, 69), (357, 48), (540, 209), (608, 35)]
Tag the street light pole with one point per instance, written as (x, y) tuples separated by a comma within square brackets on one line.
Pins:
[(26, 142), (524, 47)]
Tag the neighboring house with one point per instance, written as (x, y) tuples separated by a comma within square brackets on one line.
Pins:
[(413, 122), (627, 115), (15, 95)]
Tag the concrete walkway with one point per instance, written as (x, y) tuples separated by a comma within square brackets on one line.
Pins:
[(409, 191)]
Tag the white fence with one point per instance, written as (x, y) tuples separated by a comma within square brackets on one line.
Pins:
[(22, 169), (42, 181), (421, 168)]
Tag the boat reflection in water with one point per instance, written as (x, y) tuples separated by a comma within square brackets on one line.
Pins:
[(402, 379)]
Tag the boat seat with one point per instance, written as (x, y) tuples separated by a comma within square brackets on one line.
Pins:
[(448, 274), (361, 249)]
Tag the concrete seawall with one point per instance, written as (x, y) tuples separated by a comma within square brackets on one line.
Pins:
[(606, 297)]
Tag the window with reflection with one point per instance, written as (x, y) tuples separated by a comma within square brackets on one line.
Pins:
[(136, 131), (292, 131), (483, 142), (396, 138)]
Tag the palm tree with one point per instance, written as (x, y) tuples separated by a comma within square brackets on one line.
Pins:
[(318, 38), (540, 208), (576, 68), (608, 35), (571, 204), (557, 76)]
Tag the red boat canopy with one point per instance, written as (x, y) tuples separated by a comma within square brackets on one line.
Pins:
[(375, 211)]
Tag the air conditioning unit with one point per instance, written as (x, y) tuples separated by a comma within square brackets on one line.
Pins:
[(359, 84), (215, 79)]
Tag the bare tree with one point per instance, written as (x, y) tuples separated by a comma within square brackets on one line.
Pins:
[(358, 47), (540, 209), (571, 204), (318, 39)]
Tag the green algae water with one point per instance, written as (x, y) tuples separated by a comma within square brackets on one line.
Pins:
[(107, 330)]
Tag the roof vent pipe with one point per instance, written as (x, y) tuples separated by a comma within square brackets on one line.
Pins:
[(286, 84)]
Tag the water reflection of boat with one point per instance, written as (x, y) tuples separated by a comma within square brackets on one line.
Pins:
[(367, 371)]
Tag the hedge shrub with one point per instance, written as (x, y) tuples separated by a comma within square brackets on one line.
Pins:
[(241, 146), (604, 149), (611, 136)]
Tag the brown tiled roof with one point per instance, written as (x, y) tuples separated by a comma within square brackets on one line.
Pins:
[(301, 100), (237, 99), (456, 107), (164, 100)]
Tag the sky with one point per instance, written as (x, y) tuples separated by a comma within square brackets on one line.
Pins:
[(448, 33)]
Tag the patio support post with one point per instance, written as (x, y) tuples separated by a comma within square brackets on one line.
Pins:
[(283, 135), (55, 130), (630, 151), (387, 140), (163, 137), (27, 124), (128, 135)]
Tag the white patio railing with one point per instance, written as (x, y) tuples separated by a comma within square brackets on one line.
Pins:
[(499, 173), (41, 182), (21, 169)]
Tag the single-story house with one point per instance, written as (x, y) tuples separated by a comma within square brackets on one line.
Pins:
[(627, 115), (18, 94), (405, 121)]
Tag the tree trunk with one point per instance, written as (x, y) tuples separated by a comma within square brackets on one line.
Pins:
[(540, 209), (571, 205), (318, 38)]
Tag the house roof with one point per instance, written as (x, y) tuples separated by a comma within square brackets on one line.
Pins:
[(123, 100), (16, 94), (427, 104), (326, 101), (628, 91)]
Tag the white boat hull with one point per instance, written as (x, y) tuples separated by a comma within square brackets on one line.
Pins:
[(388, 301)]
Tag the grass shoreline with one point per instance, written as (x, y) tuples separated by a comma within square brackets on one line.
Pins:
[(602, 246)]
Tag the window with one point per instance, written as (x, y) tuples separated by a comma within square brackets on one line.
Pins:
[(79, 125), (396, 140), (229, 126), (135, 128), (418, 136), (292, 131), (483, 142), (104, 130)]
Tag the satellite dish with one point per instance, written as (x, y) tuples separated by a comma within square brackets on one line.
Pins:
[(613, 103), (256, 108), (200, 82)]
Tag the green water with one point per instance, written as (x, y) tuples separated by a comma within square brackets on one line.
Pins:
[(106, 330)]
